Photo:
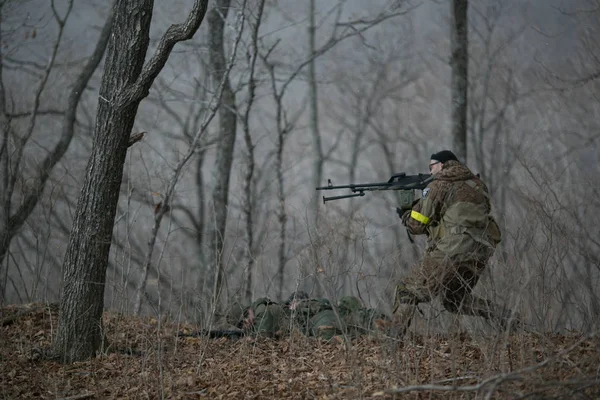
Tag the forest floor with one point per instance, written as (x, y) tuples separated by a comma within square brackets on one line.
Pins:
[(148, 360)]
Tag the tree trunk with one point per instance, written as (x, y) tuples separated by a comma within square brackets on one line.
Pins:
[(282, 214), (82, 303), (318, 161), (249, 203), (460, 78), (124, 85), (314, 114), (227, 131)]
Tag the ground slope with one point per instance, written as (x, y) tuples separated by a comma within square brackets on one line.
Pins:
[(147, 360)]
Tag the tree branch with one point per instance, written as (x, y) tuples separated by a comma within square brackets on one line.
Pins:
[(163, 209), (174, 34), (36, 104), (68, 128)]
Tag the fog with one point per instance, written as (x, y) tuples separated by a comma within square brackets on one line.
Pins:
[(383, 96)]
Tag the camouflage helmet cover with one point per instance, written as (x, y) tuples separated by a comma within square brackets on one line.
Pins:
[(349, 304)]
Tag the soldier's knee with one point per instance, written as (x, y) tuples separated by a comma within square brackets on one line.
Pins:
[(404, 296)]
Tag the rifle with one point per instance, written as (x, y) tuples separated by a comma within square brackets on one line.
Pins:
[(407, 184)]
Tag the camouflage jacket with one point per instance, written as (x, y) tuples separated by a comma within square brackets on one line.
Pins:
[(351, 318), (265, 317), (455, 212)]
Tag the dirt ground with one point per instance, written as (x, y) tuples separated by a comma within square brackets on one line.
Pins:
[(148, 360)]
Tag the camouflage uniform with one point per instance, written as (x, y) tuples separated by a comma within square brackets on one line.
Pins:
[(270, 318), (263, 317), (312, 317), (454, 212), (316, 317), (359, 320)]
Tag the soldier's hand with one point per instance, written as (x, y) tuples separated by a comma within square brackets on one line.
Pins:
[(248, 321), (405, 217), (400, 212)]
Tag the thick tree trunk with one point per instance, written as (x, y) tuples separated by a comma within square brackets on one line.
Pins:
[(80, 329), (227, 131), (125, 83), (460, 77)]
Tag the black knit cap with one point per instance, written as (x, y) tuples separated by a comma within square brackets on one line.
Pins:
[(443, 156)]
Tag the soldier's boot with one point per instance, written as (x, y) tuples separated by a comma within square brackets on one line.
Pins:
[(503, 318), (401, 320), (405, 305)]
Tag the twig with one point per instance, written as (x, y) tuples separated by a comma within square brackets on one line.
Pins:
[(494, 381), (79, 396), (160, 212), (134, 138)]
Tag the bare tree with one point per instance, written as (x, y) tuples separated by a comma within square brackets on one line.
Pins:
[(249, 203), (126, 81), (15, 210), (227, 132), (162, 208), (459, 63), (318, 156), (369, 110)]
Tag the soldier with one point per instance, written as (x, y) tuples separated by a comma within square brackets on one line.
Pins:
[(455, 214), (295, 299), (265, 317), (311, 316), (359, 320), (325, 324)]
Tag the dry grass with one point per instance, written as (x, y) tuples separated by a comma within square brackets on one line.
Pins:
[(148, 361)]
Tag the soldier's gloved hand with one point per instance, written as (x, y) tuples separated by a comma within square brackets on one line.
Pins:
[(400, 212), (405, 217)]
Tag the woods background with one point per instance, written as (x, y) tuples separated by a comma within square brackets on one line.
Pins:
[(267, 101)]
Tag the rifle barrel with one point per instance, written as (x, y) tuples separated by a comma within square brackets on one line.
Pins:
[(355, 186), (399, 181), (326, 199)]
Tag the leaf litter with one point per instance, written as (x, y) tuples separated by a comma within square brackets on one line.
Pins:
[(148, 360)]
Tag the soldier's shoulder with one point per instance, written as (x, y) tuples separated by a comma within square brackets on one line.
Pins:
[(435, 188)]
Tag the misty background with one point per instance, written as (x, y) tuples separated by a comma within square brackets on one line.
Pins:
[(383, 102)]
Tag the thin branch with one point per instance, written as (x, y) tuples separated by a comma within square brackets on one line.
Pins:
[(335, 40), (494, 381), (26, 114), (160, 212), (68, 128), (36, 102)]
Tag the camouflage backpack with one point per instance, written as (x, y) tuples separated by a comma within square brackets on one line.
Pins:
[(304, 310), (349, 304), (270, 318), (326, 324)]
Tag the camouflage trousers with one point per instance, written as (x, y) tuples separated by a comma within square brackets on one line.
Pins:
[(452, 280)]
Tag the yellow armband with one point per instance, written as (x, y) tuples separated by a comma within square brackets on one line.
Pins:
[(419, 217)]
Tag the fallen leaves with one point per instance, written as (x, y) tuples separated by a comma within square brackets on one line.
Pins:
[(148, 360)]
